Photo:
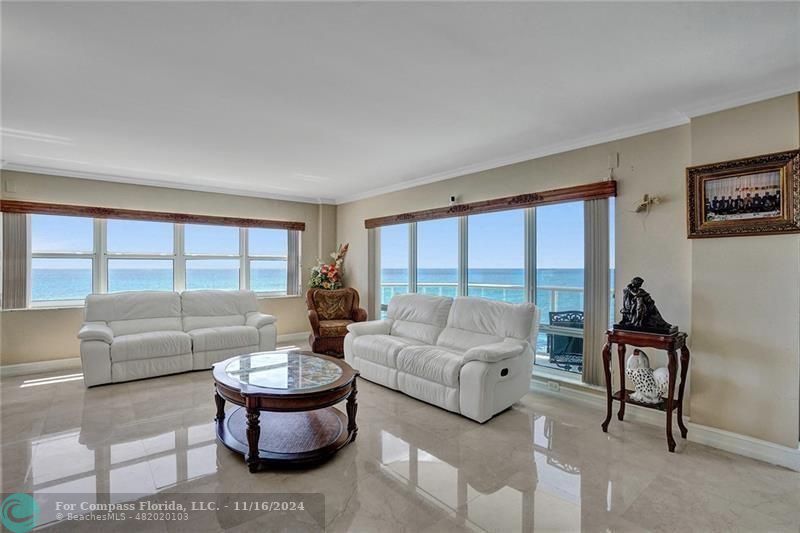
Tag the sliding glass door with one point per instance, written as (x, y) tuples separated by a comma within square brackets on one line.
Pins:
[(437, 257), (559, 286), (394, 261), (496, 256)]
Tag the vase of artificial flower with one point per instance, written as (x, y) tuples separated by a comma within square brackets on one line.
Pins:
[(329, 275)]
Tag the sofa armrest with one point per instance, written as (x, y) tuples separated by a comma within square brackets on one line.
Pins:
[(259, 320), (359, 315), (492, 353), (373, 327), (96, 331)]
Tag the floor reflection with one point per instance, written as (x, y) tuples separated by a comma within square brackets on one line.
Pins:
[(542, 465), (117, 469), (475, 498)]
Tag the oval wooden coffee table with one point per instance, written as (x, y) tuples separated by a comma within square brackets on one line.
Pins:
[(285, 414)]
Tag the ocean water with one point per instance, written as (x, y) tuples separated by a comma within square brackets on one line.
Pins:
[(75, 284), (506, 284), (494, 283)]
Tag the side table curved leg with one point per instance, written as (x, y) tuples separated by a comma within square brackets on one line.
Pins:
[(621, 354), (253, 435), (672, 366), (352, 409), (684, 370), (607, 371)]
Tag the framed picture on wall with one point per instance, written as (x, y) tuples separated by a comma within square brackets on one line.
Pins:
[(752, 196)]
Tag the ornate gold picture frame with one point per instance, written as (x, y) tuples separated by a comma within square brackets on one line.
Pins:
[(752, 196)]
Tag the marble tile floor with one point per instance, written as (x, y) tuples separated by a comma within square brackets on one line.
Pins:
[(544, 465)]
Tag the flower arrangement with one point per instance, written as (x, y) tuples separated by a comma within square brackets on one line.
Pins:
[(329, 275)]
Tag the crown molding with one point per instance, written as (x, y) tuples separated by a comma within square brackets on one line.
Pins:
[(552, 149), (166, 184), (741, 99), (678, 118)]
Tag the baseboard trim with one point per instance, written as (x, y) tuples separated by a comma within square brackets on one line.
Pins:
[(752, 447), (23, 369), (721, 439), (293, 337)]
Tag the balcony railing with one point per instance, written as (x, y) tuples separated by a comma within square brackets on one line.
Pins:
[(548, 297)]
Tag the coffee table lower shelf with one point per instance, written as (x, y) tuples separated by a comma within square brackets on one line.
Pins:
[(287, 438)]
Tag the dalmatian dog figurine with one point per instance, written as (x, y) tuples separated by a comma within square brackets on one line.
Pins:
[(649, 385)]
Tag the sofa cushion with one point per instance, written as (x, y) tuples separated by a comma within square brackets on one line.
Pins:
[(333, 328), (224, 337), (135, 312), (380, 349), (491, 317), (206, 309), (132, 305), (142, 325), (419, 316), (150, 344), (462, 340), (476, 321), (432, 363), (199, 322)]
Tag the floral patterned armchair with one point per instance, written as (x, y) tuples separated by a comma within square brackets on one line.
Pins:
[(330, 311)]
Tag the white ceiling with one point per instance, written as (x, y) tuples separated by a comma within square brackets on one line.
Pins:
[(331, 102)]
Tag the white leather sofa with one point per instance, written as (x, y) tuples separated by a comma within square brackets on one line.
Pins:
[(467, 355), (134, 335), (225, 323)]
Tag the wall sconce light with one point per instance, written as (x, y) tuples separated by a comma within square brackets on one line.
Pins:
[(646, 203)]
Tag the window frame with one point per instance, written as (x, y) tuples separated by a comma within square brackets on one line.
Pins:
[(39, 304), (105, 256), (530, 280), (411, 265), (461, 255), (100, 257), (292, 287), (185, 257)]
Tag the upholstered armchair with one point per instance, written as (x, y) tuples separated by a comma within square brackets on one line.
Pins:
[(329, 313)]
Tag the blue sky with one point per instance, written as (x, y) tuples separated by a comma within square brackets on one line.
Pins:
[(496, 240), (75, 234)]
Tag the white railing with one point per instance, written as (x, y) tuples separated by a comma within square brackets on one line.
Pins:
[(509, 292)]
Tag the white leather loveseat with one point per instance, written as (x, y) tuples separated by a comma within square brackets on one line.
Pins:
[(467, 355), (134, 335)]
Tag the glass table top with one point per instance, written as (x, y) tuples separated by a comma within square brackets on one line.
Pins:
[(290, 371)]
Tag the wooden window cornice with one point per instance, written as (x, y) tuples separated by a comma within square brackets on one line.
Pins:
[(15, 206), (590, 191)]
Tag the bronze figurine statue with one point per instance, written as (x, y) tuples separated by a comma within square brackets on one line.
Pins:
[(639, 311)]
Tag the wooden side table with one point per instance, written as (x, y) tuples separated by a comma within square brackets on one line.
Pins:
[(672, 344)]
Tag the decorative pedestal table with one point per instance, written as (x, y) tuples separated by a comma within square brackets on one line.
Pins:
[(672, 344)]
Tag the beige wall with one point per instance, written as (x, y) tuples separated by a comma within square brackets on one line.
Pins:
[(745, 334), (21, 335), (746, 294)]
